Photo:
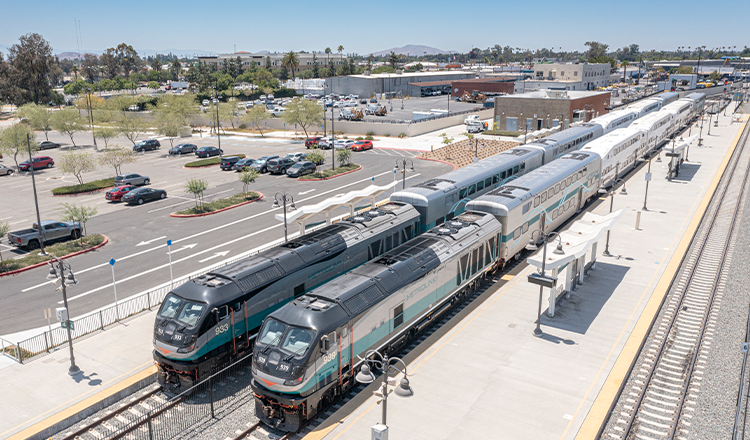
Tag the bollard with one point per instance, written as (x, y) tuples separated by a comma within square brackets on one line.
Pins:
[(638, 221), (211, 397)]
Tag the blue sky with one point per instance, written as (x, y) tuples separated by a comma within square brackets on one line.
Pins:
[(368, 26)]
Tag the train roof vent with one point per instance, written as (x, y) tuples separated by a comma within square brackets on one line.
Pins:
[(389, 207), (433, 183), (259, 278), (360, 301), (359, 218), (469, 217), (516, 152), (456, 224), (374, 213), (442, 230), (508, 191), (211, 280), (575, 156)]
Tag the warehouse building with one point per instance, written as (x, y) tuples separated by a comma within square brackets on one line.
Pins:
[(548, 108), (305, 59), (390, 83)]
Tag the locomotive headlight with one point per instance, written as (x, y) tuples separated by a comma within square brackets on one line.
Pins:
[(187, 349), (298, 380)]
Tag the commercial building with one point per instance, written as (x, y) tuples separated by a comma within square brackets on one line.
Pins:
[(548, 108), (483, 85), (305, 59), (570, 76), (391, 83)]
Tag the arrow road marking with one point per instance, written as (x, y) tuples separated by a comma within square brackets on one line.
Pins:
[(187, 246), (306, 192), (151, 241), (218, 254)]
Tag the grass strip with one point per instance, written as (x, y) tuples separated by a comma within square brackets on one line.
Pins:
[(58, 249), (210, 161), (329, 172), (86, 187), (216, 205)]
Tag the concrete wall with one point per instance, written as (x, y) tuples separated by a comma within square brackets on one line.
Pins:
[(459, 87)]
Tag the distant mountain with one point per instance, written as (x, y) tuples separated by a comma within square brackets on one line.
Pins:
[(69, 55), (414, 50)]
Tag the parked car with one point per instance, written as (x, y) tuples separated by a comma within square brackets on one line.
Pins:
[(5, 171), (278, 111), (132, 179), (363, 101), (134, 108), (39, 163), (362, 146), (142, 195), (208, 152), (312, 142), (296, 157), (116, 193), (373, 101), (325, 143), (43, 145), (205, 102), (279, 165), (183, 149), (260, 164), (243, 164), (301, 168), (228, 162), (476, 127), (147, 145), (53, 231), (342, 144)]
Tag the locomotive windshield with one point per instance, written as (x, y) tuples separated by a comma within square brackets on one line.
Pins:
[(185, 312), (294, 340)]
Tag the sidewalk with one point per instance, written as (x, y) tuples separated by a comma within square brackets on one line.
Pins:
[(489, 377)]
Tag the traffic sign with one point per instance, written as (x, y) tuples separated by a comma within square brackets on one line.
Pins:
[(648, 177), (72, 325), (169, 242), (112, 262)]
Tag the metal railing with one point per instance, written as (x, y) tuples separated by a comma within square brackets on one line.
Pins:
[(429, 118)]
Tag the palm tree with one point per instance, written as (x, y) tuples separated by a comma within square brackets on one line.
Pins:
[(290, 61), (393, 59), (625, 65), (328, 53), (341, 49), (74, 69)]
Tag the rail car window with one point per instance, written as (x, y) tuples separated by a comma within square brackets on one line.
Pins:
[(554, 214), (568, 181), (398, 316), (517, 233), (523, 166), (299, 289), (526, 227), (271, 332), (551, 193), (496, 179), (502, 175), (557, 188), (536, 201), (515, 169), (544, 197), (462, 193), (480, 185), (472, 189), (509, 172), (297, 341), (488, 181), (526, 207)]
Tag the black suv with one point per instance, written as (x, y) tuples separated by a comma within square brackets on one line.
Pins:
[(279, 165), (228, 162), (147, 145)]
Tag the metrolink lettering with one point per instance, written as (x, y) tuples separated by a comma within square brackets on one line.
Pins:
[(411, 294)]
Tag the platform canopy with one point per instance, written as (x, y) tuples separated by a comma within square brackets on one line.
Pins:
[(328, 206), (576, 240)]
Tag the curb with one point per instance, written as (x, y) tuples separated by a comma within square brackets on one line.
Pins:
[(398, 149), (84, 193), (329, 178), (204, 166), (44, 263), (438, 160), (215, 212)]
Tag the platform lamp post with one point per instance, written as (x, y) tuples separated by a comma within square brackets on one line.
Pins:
[(55, 274), (532, 246), (386, 364), (648, 179), (281, 198), (401, 165), (612, 191)]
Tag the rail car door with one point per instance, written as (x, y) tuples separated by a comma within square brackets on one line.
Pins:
[(345, 345), (580, 199)]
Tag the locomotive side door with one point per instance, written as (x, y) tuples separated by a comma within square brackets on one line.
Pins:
[(345, 355)]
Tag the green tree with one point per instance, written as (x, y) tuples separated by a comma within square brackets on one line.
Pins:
[(13, 141), (290, 61), (393, 59), (268, 63), (317, 157), (4, 229), (153, 85), (182, 107), (29, 66), (625, 65), (67, 121), (116, 157), (331, 69), (175, 69), (714, 76), (169, 125), (77, 163), (197, 187), (328, 53), (304, 113), (596, 49), (69, 212), (247, 177), (255, 117), (38, 117), (685, 70), (315, 68), (340, 49), (105, 134), (131, 126), (446, 140), (344, 156), (156, 64)]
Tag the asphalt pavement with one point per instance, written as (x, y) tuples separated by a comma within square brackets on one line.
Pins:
[(138, 234)]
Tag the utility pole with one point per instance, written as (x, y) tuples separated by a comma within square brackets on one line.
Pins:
[(36, 200)]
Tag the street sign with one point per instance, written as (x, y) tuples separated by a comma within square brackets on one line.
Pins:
[(648, 177), (72, 325), (542, 280), (112, 262), (169, 242), (47, 313), (534, 115), (62, 314)]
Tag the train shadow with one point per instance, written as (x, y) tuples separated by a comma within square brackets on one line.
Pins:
[(577, 313)]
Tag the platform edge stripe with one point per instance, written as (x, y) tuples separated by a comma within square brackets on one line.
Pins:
[(598, 412), (65, 413)]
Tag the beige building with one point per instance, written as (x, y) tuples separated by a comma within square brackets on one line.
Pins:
[(572, 76), (305, 59)]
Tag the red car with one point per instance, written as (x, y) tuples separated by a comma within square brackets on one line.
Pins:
[(362, 146), (312, 141), (116, 193), (39, 162)]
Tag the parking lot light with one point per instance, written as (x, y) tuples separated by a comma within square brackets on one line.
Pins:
[(281, 198)]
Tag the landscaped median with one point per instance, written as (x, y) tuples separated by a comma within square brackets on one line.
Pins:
[(331, 173), (86, 188), (219, 205), (209, 162), (62, 250)]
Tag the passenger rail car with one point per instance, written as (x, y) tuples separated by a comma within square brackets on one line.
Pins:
[(206, 322), (682, 111), (307, 352), (645, 107), (658, 127), (439, 199), (566, 141), (614, 120), (667, 98), (543, 199), (619, 152), (699, 102)]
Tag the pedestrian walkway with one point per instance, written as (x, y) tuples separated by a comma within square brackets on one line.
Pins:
[(490, 377)]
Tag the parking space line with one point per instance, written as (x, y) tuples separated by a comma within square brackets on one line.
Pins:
[(171, 206), (19, 221)]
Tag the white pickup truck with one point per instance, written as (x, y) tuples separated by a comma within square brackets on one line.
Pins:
[(471, 119)]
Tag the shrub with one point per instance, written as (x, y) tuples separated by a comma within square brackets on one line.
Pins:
[(340, 132), (216, 205), (401, 135), (370, 133), (387, 135), (209, 161), (359, 138), (369, 138), (329, 172), (86, 187), (243, 126)]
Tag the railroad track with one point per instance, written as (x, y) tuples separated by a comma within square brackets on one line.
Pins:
[(127, 413), (658, 399)]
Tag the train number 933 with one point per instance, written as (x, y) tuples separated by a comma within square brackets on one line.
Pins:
[(222, 328)]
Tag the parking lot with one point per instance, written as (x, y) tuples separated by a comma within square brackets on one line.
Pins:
[(411, 105)]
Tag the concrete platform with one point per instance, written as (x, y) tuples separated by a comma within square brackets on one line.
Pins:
[(489, 377)]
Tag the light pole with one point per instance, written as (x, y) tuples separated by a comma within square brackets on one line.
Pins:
[(218, 125), (281, 198), (386, 364), (532, 246), (401, 164), (36, 200), (56, 273), (648, 179), (611, 206)]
